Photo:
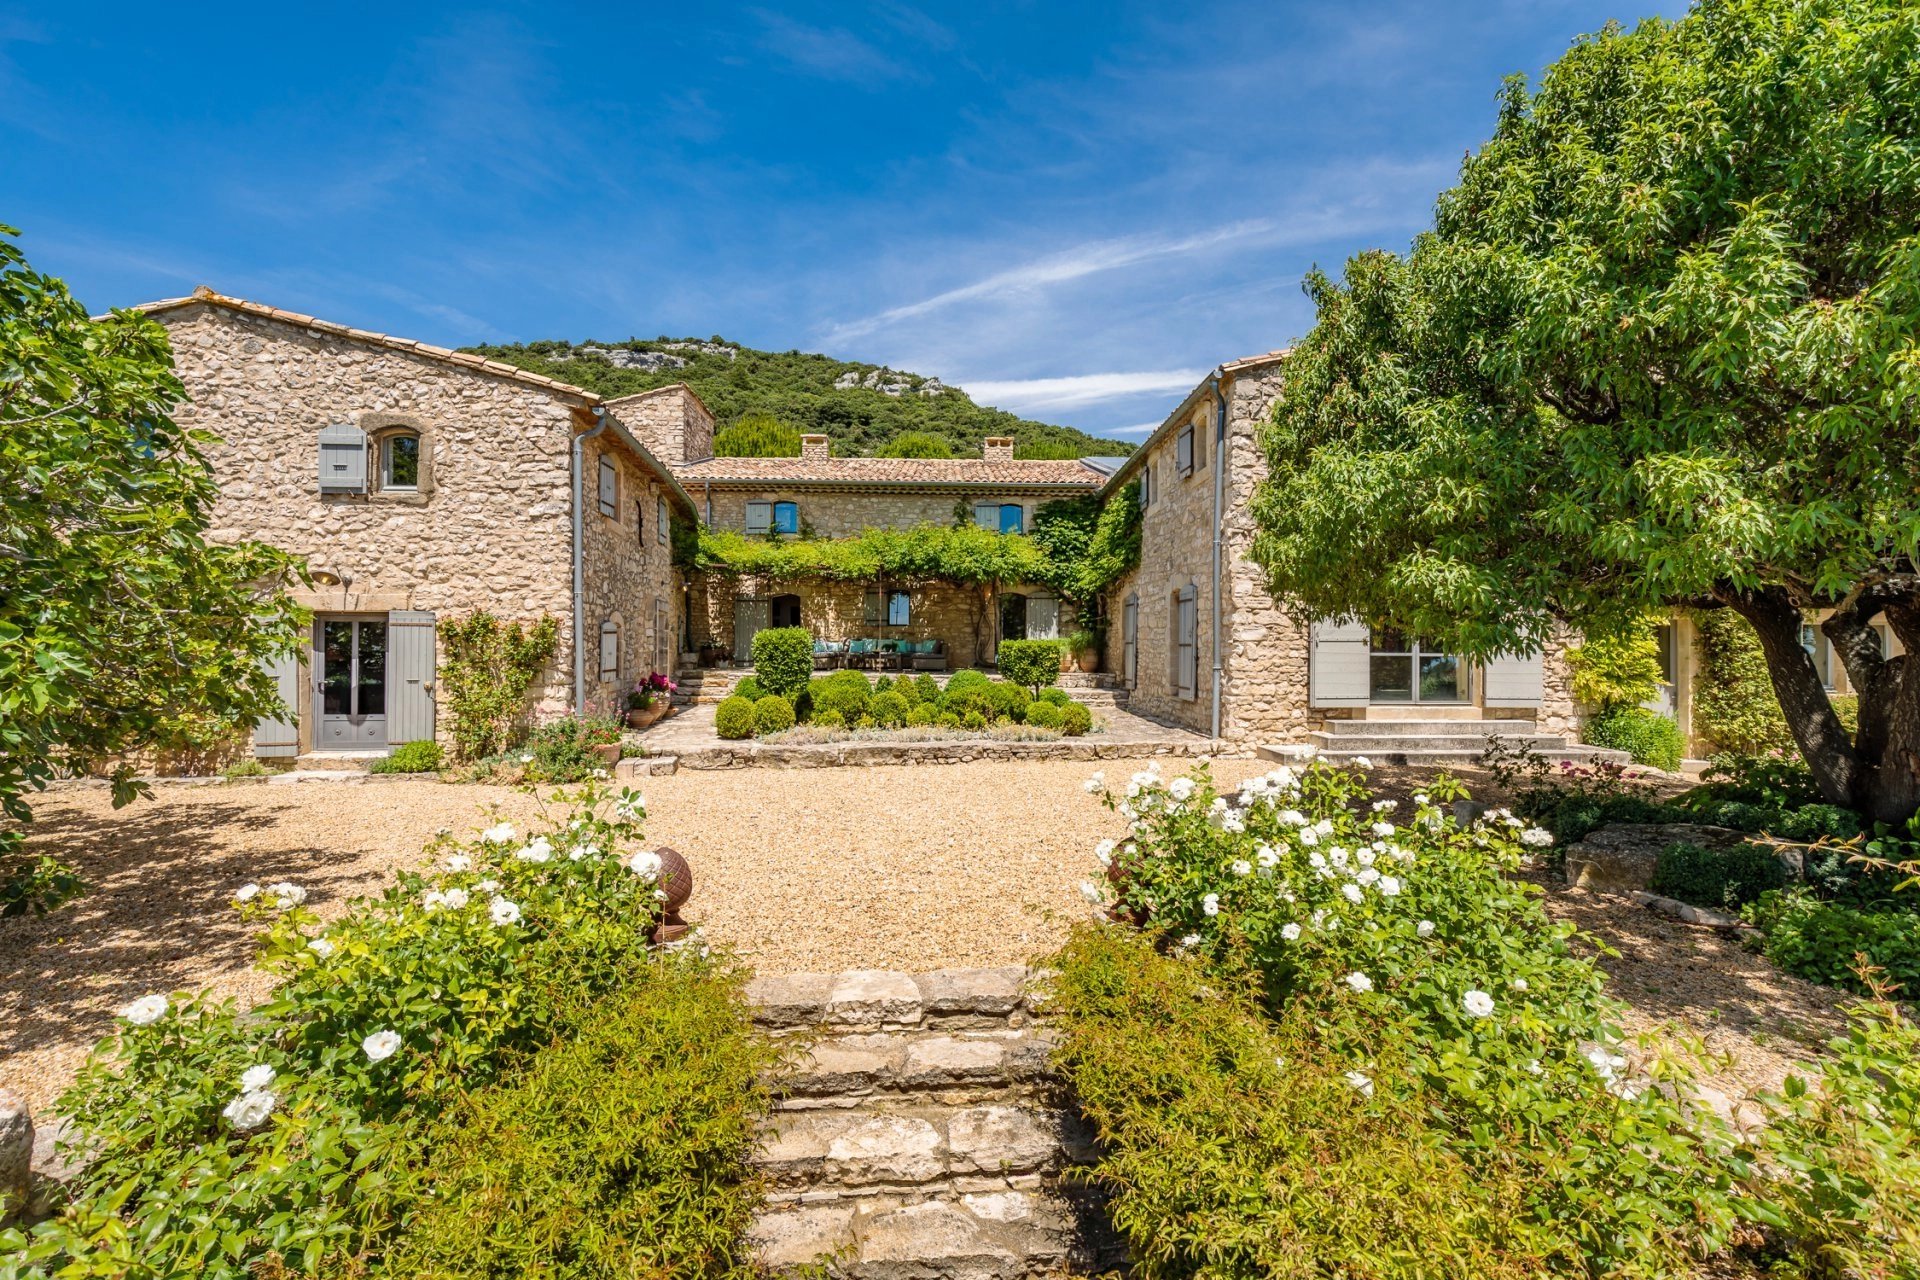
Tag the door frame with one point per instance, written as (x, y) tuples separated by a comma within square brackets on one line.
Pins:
[(316, 674)]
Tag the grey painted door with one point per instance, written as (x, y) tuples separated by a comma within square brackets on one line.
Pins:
[(350, 685)]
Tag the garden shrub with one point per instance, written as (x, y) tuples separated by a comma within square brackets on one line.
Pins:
[(864, 722), (230, 1144), (921, 714), (664, 1191), (772, 714), (964, 679), (1030, 663), (751, 689), (1405, 954), (1075, 720), (1057, 696), (1717, 877), (37, 885), (829, 720), (846, 692), (889, 709), (1819, 941), (948, 720), (926, 688), (1006, 701), (410, 757), (1734, 705), (969, 699), (733, 719), (783, 660), (562, 749), (1649, 737), (249, 767), (882, 684), (973, 720), (1618, 669), (1043, 715), (1839, 1181)]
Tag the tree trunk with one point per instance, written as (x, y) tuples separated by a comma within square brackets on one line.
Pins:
[(1879, 772)]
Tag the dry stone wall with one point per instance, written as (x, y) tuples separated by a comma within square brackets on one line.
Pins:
[(670, 421), (629, 580)]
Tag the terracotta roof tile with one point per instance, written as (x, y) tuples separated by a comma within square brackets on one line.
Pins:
[(951, 472)]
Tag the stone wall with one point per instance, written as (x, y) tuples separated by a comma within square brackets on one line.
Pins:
[(629, 578), (835, 513), (489, 527), (670, 421)]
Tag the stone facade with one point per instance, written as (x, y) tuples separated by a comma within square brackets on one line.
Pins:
[(488, 524), (670, 421), (629, 578)]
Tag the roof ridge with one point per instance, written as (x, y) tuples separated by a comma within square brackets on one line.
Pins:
[(206, 294)]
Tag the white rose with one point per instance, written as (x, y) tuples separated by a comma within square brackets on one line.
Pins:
[(1103, 852), (1211, 904), (321, 947), (459, 862), (1424, 928), (256, 1078), (286, 894), (146, 1011), (1241, 867), (381, 1045), (487, 886), (538, 850), (250, 1110), (1090, 891), (1383, 829), (1352, 893), (645, 864), (246, 892), (502, 911), (1291, 932), (455, 899), (1390, 885), (1096, 784), (1478, 1004), (502, 834), (1360, 982)]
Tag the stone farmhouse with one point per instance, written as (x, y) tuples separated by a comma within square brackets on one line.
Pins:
[(421, 482)]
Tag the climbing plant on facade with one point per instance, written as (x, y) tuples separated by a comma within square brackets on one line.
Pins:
[(487, 669)]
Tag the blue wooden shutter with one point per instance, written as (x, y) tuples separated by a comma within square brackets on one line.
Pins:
[(410, 676), (343, 459), (279, 736)]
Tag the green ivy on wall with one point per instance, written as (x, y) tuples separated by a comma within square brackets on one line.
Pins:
[(1734, 706), (487, 668)]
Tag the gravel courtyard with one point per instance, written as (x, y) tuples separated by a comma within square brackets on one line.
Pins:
[(907, 868)]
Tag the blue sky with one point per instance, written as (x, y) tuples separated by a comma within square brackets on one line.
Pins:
[(1071, 210)]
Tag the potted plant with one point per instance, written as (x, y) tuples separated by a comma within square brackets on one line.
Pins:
[(650, 700), (1084, 645)]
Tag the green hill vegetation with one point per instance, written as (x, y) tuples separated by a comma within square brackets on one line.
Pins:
[(764, 400)]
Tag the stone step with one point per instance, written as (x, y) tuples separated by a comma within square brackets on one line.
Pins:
[(1578, 754), (1475, 742), (949, 1067), (888, 1000), (1006, 1233), (887, 1147), (1420, 728)]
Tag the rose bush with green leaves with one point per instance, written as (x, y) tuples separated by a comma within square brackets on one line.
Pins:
[(222, 1139), (1397, 949)]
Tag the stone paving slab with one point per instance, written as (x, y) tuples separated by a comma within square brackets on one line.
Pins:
[(892, 999), (914, 1145)]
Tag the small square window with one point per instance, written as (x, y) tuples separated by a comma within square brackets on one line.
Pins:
[(400, 461), (1183, 451)]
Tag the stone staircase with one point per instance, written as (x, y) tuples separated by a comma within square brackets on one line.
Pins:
[(1451, 741), (918, 1134)]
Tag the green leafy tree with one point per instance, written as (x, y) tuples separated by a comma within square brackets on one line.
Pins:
[(757, 435), (915, 444), (122, 625), (1657, 349)]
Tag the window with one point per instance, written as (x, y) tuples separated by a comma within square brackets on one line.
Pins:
[(609, 487), (662, 522), (1000, 517), (1183, 451), (400, 461), (759, 517), (609, 650), (786, 518), (897, 607), (1663, 642), (1146, 486)]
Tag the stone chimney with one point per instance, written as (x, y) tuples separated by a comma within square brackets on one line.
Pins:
[(999, 449), (813, 448)]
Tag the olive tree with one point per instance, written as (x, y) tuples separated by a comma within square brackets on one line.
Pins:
[(121, 625), (1661, 346)]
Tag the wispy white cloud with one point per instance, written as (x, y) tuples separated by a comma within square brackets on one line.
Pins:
[(1079, 390), (1076, 263), (832, 53)]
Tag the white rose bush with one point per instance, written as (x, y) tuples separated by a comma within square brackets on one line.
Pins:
[(1439, 1031), (224, 1138)]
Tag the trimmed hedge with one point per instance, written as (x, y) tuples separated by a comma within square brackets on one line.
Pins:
[(1717, 877), (1030, 663), (783, 660), (410, 757), (1044, 715), (772, 714), (733, 719), (1649, 737), (1075, 720), (889, 710), (845, 692)]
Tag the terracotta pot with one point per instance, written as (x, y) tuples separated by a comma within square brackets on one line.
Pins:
[(1088, 660), (609, 753), (644, 716)]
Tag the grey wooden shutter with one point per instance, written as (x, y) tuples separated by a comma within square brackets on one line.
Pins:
[(1338, 666), (343, 459), (279, 736), (1043, 618), (1187, 648), (410, 676), (1512, 680), (1130, 641)]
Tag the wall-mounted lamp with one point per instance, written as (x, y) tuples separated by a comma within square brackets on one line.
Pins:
[(326, 577)]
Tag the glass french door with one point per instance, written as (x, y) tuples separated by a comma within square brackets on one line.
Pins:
[(1404, 669), (352, 683)]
